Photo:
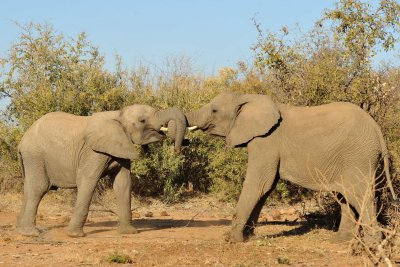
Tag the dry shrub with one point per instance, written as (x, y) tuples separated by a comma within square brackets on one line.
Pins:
[(367, 239)]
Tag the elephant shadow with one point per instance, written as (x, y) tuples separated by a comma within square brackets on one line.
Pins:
[(144, 225), (311, 222), (315, 221)]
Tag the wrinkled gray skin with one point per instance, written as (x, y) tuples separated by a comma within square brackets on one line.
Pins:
[(334, 147), (68, 151)]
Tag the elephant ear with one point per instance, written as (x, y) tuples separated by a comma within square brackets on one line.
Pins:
[(107, 135), (256, 116)]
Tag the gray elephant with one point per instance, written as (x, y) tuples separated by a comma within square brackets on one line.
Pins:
[(68, 151), (334, 147)]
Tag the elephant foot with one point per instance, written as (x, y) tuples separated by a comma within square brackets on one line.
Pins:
[(341, 237), (127, 229), (234, 237), (28, 231), (74, 232)]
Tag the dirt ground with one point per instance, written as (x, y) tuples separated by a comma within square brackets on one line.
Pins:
[(187, 234)]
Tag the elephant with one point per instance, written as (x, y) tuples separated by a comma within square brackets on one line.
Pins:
[(69, 151), (332, 147)]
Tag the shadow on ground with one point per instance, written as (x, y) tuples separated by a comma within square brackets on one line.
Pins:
[(157, 224), (312, 221)]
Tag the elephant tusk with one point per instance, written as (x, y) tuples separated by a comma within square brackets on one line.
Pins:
[(192, 128)]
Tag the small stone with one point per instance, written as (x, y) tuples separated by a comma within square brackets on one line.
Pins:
[(149, 214), (275, 214), (135, 215), (164, 213)]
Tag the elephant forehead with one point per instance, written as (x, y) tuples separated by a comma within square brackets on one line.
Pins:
[(138, 110), (224, 97)]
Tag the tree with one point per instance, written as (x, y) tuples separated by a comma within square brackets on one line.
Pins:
[(47, 72)]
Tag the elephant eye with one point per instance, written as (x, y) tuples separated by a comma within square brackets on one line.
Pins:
[(214, 110), (142, 120)]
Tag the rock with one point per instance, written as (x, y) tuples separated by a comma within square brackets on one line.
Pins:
[(148, 214), (164, 213), (275, 214), (135, 215)]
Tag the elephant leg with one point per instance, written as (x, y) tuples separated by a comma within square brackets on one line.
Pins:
[(122, 187), (255, 214), (347, 226), (81, 209), (260, 178), (36, 184), (87, 179), (361, 197), (367, 219)]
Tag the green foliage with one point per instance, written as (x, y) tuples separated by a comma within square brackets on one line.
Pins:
[(161, 163), (227, 169), (47, 72), (118, 257), (360, 28), (282, 190), (264, 242), (10, 178)]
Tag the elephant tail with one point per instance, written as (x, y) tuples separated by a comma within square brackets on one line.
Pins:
[(387, 173), (385, 155)]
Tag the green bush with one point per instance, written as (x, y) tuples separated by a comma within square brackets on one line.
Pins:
[(118, 257), (159, 171), (227, 170)]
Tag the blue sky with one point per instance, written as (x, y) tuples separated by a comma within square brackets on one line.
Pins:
[(213, 33)]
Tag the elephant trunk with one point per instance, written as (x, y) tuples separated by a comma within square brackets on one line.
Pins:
[(176, 122), (194, 118), (190, 117)]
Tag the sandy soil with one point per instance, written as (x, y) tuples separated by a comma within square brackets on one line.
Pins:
[(188, 234)]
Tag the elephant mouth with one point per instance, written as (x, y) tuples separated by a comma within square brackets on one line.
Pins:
[(208, 128), (158, 134), (152, 135), (211, 129)]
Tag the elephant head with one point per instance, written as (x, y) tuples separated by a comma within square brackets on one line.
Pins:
[(238, 117), (115, 132)]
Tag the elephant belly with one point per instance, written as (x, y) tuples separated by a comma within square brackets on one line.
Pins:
[(308, 175), (61, 178), (61, 172), (302, 181)]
